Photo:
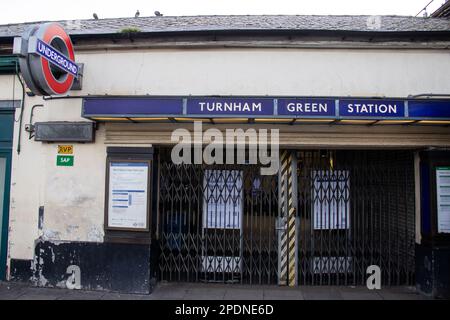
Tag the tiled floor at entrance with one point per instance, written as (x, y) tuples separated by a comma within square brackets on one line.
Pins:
[(203, 291)]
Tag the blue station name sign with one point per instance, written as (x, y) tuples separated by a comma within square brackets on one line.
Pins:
[(267, 107), (306, 107), (372, 108), (229, 106)]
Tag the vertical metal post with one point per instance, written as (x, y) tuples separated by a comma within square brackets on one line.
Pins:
[(292, 221), (281, 220), (286, 222), (418, 232), (282, 251)]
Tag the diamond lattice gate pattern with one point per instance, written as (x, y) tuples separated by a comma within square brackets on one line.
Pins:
[(217, 223), (356, 209)]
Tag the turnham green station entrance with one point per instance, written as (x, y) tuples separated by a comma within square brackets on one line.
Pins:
[(226, 223)]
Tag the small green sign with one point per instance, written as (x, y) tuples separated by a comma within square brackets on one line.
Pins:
[(64, 161)]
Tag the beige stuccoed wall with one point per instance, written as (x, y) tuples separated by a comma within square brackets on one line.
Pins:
[(308, 72), (73, 197), (26, 194), (10, 88)]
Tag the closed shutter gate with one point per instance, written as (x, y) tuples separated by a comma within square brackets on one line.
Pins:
[(217, 223), (296, 136), (356, 209)]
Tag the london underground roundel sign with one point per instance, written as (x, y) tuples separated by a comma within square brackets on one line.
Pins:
[(47, 59)]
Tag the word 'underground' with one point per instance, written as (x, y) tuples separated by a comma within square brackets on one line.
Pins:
[(57, 58)]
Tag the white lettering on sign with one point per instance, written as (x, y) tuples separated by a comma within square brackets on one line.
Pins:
[(307, 107), (56, 58), (372, 108), (230, 106)]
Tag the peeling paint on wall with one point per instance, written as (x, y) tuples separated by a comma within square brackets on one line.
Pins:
[(50, 235), (90, 266), (95, 234), (70, 229), (38, 279)]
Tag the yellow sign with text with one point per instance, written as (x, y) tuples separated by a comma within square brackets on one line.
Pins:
[(65, 149)]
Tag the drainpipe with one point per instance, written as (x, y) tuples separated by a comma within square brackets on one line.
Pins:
[(22, 108)]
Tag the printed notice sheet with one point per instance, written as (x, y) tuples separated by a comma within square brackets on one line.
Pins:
[(331, 203), (443, 199), (128, 183), (222, 202)]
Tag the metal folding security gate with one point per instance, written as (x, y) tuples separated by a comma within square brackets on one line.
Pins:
[(217, 223), (356, 209)]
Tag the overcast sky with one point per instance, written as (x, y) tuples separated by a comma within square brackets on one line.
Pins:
[(13, 11)]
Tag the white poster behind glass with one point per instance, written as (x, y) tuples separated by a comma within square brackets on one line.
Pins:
[(331, 205), (443, 199), (222, 199), (128, 195)]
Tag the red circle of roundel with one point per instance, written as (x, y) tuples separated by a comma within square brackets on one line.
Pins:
[(55, 30)]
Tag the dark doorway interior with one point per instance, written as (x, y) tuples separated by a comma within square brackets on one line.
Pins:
[(356, 209), (217, 223)]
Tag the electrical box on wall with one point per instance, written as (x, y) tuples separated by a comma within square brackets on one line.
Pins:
[(78, 82), (59, 131)]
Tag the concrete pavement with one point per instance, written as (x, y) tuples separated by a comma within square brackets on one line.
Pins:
[(202, 291)]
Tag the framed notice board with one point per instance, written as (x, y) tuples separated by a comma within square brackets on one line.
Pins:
[(443, 199), (128, 195)]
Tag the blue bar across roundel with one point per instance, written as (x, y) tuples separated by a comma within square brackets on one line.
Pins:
[(132, 106), (56, 57)]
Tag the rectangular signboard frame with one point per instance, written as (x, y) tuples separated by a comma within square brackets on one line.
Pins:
[(272, 107), (309, 105), (439, 212), (343, 103), (65, 149), (60, 157), (148, 194), (228, 107)]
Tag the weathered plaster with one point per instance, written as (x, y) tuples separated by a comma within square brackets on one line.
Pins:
[(73, 197)]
